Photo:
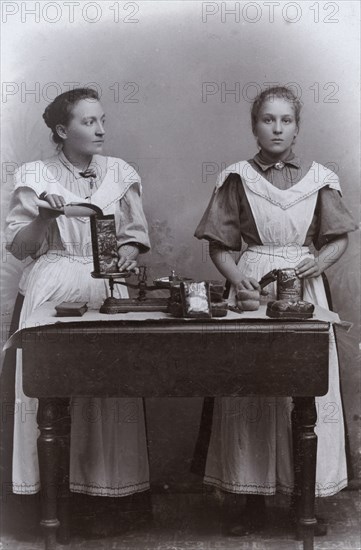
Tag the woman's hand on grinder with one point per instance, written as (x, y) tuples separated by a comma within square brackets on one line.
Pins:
[(56, 202), (324, 258), (128, 254), (248, 293), (308, 268)]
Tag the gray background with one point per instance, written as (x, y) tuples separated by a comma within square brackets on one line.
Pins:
[(152, 67)]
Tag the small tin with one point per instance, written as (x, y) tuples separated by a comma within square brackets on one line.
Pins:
[(289, 286)]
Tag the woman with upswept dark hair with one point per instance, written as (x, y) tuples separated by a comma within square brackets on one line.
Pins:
[(108, 454), (278, 205)]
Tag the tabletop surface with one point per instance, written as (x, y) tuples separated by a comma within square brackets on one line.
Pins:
[(155, 355), (44, 318)]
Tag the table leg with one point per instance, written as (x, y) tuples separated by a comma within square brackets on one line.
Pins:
[(306, 449), (63, 533), (297, 470), (50, 418)]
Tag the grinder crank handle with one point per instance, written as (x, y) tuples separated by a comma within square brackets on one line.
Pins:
[(270, 277)]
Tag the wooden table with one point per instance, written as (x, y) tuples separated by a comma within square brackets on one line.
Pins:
[(167, 357)]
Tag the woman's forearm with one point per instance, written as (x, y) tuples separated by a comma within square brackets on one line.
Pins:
[(225, 263), (30, 238), (331, 253), (247, 288)]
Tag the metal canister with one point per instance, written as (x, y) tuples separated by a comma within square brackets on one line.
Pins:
[(289, 286)]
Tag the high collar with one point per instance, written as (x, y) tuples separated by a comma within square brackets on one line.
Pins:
[(73, 169), (265, 164)]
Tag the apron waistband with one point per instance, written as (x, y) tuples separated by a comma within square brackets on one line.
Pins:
[(292, 252), (53, 255)]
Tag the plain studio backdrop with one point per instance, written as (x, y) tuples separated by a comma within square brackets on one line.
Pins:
[(177, 79)]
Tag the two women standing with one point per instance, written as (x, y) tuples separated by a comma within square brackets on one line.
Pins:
[(276, 203)]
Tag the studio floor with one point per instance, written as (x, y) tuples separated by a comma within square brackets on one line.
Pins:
[(184, 522)]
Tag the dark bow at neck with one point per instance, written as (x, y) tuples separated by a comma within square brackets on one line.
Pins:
[(88, 173)]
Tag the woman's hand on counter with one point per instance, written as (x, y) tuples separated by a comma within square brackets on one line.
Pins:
[(248, 294)]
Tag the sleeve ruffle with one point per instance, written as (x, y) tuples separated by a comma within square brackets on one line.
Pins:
[(131, 224), (221, 220), (23, 210), (334, 219)]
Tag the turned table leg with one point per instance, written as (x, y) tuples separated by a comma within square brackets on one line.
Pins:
[(63, 533), (305, 417), (297, 466), (51, 415)]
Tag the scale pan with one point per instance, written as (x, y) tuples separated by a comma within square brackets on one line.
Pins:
[(168, 282), (115, 275)]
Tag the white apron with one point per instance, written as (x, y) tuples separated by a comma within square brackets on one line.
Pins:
[(108, 452), (250, 448)]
